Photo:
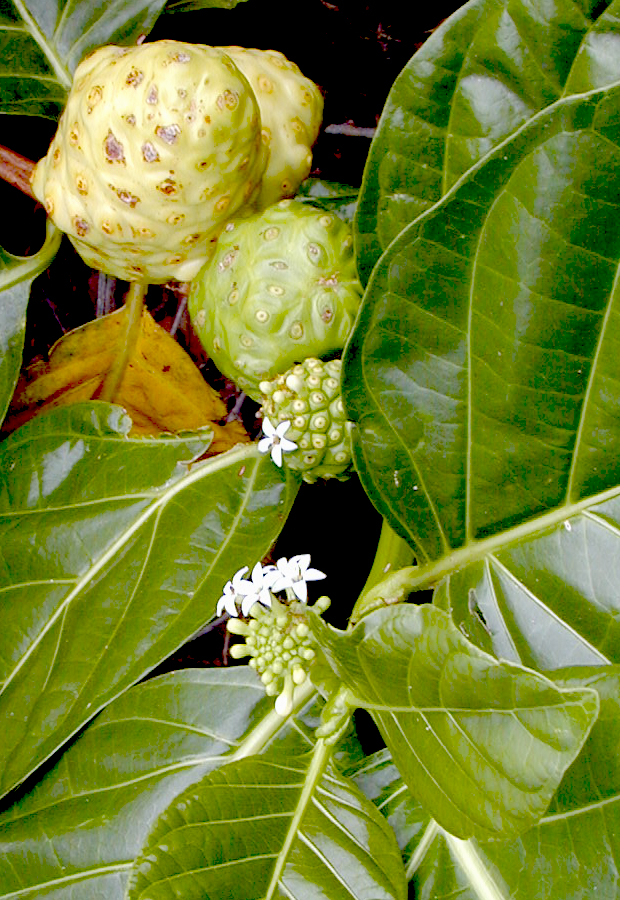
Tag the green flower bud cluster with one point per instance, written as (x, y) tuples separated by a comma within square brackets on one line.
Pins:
[(309, 397), (281, 286), (279, 644)]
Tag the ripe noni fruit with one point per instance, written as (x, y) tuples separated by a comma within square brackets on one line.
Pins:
[(158, 146), (309, 396), (291, 109), (281, 286)]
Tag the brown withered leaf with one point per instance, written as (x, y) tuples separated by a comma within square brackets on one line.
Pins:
[(161, 389)]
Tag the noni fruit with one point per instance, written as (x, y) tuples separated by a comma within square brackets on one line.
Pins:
[(291, 109), (309, 397), (158, 146), (282, 285)]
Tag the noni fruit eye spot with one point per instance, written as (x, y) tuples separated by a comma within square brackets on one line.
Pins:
[(158, 146), (287, 305)]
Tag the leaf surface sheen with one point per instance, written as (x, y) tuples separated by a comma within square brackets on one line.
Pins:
[(481, 744), (575, 843), (230, 837), (486, 71), (482, 375), (114, 553), (44, 40), (110, 786)]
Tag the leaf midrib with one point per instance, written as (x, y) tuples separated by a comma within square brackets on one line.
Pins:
[(46, 47), (430, 574)]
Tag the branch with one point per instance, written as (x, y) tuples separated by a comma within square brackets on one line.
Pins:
[(16, 170)]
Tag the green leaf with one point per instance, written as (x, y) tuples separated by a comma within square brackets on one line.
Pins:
[(580, 833), (481, 372), (481, 744), (16, 276), (86, 820), (114, 553), (189, 5), (483, 73), (263, 829), (44, 40)]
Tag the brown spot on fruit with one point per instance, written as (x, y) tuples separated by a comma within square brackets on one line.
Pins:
[(168, 186), (168, 133), (134, 78), (113, 149), (81, 184), (149, 153), (81, 226), (153, 95), (94, 96)]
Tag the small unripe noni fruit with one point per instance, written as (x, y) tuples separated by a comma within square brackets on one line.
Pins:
[(291, 110), (309, 397), (158, 146), (281, 286)]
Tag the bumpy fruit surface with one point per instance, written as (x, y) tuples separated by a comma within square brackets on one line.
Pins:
[(158, 146), (281, 286), (309, 397), (291, 109)]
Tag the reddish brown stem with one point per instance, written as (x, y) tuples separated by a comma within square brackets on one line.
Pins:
[(16, 170)]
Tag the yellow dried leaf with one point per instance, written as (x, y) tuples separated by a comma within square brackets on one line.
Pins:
[(161, 389)]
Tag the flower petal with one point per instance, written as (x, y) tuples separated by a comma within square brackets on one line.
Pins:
[(268, 428), (276, 454)]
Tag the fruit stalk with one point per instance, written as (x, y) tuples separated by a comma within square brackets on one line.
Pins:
[(131, 331)]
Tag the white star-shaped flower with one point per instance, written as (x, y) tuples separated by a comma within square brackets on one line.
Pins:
[(233, 594), (294, 573), (274, 441), (258, 589)]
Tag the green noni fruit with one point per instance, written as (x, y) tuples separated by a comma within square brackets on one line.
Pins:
[(291, 110), (281, 286), (309, 397), (158, 146)]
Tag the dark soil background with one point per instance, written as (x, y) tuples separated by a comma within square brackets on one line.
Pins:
[(353, 51)]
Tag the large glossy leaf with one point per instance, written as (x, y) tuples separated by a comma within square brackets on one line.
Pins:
[(44, 40), (482, 744), (482, 372), (16, 276), (259, 828), (77, 833), (114, 552), (486, 71), (572, 852)]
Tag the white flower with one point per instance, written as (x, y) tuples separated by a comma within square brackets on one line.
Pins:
[(294, 573), (274, 442), (257, 590), (232, 595)]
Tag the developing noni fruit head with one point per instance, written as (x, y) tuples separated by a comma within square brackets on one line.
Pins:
[(291, 110), (281, 286), (309, 397), (158, 146)]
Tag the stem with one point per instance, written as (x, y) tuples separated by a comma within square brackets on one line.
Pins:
[(393, 553), (16, 170), (134, 303)]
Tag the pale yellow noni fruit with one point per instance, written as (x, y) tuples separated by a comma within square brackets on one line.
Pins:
[(291, 108), (158, 146)]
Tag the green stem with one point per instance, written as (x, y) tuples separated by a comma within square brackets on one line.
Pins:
[(134, 303), (393, 554)]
